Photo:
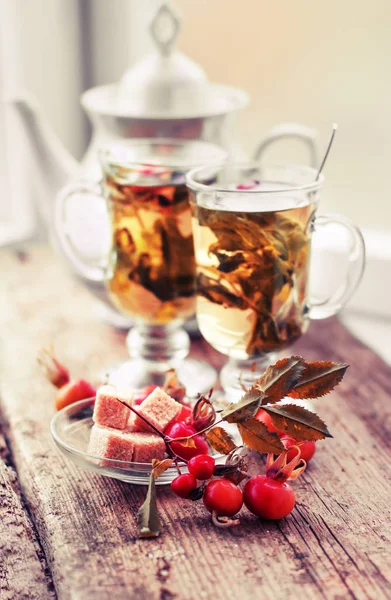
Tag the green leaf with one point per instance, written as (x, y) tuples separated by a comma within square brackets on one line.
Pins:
[(220, 440), (279, 379), (298, 422), (148, 516), (318, 379), (257, 437), (245, 408)]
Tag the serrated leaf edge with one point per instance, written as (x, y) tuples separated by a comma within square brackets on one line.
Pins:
[(336, 367), (270, 409)]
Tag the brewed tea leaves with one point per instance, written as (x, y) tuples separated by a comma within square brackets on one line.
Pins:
[(298, 422), (259, 255), (215, 292)]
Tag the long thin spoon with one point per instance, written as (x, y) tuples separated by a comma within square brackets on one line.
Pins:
[(332, 136)]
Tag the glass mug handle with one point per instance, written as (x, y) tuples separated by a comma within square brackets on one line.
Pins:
[(92, 270), (356, 263)]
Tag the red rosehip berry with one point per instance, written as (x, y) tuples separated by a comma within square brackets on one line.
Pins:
[(268, 498), (223, 497), (307, 449), (266, 419), (76, 389), (181, 430), (201, 466), (185, 414), (183, 485)]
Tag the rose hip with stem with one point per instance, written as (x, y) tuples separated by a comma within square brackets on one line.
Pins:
[(270, 496), (57, 374), (75, 390), (223, 498), (69, 390)]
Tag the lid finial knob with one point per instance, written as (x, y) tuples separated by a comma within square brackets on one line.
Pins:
[(165, 27)]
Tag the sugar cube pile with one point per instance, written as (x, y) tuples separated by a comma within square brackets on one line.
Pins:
[(119, 434)]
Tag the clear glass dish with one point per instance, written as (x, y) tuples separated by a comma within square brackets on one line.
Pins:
[(71, 427)]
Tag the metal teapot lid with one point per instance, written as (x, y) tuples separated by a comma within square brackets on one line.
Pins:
[(168, 84)]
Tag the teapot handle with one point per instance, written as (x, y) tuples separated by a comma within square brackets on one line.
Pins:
[(290, 130), (92, 270)]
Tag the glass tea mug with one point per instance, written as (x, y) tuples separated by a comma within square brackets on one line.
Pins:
[(149, 271), (253, 227)]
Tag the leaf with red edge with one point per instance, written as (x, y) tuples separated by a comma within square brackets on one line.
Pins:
[(257, 437), (298, 422), (280, 378), (318, 379), (220, 440), (148, 516)]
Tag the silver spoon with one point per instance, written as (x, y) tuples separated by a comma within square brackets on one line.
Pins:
[(335, 127)]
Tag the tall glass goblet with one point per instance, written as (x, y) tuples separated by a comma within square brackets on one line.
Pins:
[(253, 227), (150, 269)]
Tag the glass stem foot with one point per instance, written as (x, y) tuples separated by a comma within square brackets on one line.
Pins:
[(153, 351), (237, 376)]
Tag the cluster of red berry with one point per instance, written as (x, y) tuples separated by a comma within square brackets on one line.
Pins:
[(268, 496)]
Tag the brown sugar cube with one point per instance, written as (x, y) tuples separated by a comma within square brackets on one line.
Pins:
[(131, 425), (147, 446), (159, 408), (111, 443), (108, 412)]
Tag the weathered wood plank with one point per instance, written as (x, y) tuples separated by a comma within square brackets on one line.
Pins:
[(23, 570), (335, 545)]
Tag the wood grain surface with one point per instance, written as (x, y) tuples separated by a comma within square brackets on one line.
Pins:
[(335, 544), (20, 551)]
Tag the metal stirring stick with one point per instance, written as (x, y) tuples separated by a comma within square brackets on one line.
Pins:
[(335, 127)]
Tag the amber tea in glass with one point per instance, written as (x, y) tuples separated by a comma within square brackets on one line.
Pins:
[(252, 277), (151, 272)]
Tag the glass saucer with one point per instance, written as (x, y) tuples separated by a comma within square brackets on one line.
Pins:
[(70, 429)]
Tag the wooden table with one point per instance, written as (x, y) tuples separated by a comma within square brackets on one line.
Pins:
[(65, 533)]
